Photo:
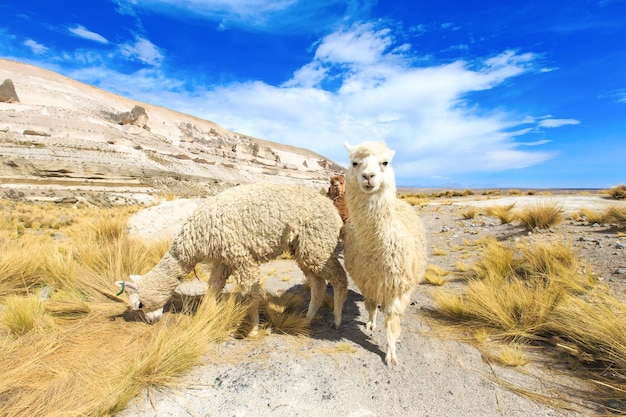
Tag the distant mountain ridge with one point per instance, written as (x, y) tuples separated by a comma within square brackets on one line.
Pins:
[(64, 135)]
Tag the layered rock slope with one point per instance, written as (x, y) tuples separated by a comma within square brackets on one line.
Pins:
[(64, 135)]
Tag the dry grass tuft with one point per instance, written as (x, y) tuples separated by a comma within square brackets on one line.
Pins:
[(469, 213), (66, 347), (435, 275), (511, 355), (536, 294), (592, 216), (617, 215), (503, 213), (285, 313), (618, 192), (414, 199), (438, 252), (24, 314), (542, 215)]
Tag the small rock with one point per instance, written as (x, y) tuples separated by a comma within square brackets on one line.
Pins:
[(35, 133), (66, 200), (620, 271), (7, 92), (620, 245), (45, 292)]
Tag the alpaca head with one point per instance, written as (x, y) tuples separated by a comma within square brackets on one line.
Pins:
[(369, 167), (151, 313), (337, 186)]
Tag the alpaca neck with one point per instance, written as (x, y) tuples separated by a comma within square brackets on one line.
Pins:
[(371, 208)]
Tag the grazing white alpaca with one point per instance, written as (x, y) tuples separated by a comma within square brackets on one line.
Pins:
[(241, 228), (385, 241)]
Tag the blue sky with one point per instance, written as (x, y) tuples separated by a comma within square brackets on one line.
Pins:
[(469, 93)]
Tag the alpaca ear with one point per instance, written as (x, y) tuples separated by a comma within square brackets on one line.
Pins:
[(349, 147), (391, 154)]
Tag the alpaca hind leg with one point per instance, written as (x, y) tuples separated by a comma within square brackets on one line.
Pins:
[(318, 289), (392, 325), (334, 273), (339, 299), (253, 309), (248, 280), (372, 309)]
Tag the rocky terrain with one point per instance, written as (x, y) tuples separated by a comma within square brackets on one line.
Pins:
[(61, 138)]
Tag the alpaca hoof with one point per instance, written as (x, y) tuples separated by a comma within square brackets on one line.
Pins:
[(337, 323), (391, 359), (370, 326)]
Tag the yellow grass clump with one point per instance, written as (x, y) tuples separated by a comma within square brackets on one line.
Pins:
[(541, 215), (469, 213), (414, 199), (618, 192), (536, 294), (435, 275), (503, 213), (285, 313), (68, 345), (616, 215)]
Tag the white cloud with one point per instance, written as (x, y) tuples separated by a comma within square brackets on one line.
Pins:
[(548, 123), (223, 11), (419, 111), (278, 16), (36, 47), (82, 32), (143, 50), (360, 86)]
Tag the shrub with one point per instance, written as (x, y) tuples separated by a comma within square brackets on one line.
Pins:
[(616, 215), (593, 216), (435, 275), (502, 212), (542, 215), (618, 192), (469, 213), (414, 199)]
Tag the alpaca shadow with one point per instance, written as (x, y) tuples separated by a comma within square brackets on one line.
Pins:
[(130, 316), (322, 327), (352, 328), (513, 233)]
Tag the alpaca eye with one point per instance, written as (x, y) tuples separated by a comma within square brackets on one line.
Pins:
[(385, 163), (354, 165)]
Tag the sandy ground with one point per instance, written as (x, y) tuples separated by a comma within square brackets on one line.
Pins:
[(342, 372)]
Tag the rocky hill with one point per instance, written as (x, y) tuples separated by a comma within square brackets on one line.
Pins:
[(61, 139)]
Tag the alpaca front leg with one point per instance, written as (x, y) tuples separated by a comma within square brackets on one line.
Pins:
[(392, 330), (372, 309), (318, 289), (248, 279), (217, 280), (253, 315)]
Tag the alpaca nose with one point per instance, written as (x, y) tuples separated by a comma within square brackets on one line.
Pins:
[(368, 177)]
